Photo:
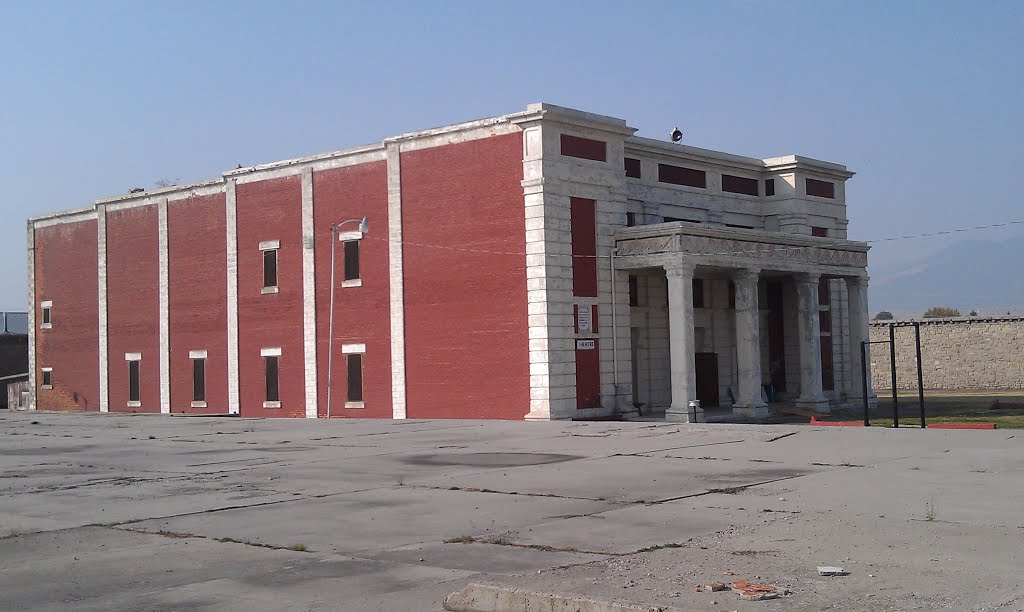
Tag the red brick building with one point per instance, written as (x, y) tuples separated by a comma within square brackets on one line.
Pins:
[(482, 286)]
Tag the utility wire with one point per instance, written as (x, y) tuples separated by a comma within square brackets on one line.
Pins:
[(773, 249)]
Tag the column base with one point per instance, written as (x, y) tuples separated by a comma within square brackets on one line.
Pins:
[(629, 413), (859, 401), (755, 411), (819, 405), (684, 414)]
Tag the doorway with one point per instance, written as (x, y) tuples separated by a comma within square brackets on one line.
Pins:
[(706, 366)]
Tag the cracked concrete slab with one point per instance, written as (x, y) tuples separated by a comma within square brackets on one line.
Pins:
[(397, 514)]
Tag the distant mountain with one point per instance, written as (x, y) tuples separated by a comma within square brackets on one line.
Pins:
[(972, 275)]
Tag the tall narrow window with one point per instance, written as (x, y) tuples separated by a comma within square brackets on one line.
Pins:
[(355, 378), (134, 393), (698, 293), (45, 314), (351, 260), (354, 370), (270, 269), (199, 380), (273, 392), (769, 187), (47, 378)]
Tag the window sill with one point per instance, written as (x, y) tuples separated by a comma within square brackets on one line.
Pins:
[(355, 282), (135, 404), (271, 404), (46, 387), (268, 290), (198, 405), (355, 405), (46, 326)]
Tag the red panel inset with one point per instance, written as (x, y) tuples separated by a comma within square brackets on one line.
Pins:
[(739, 184), (821, 189), (588, 375), (585, 148), (197, 299), (677, 175), (270, 210), (632, 167), (362, 315), (961, 426), (66, 274), (466, 333), (133, 305), (583, 228)]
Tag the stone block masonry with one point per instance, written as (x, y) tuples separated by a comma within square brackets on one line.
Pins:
[(956, 353)]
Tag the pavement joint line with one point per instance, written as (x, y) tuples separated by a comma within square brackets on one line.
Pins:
[(181, 535), (236, 507), (518, 493), (661, 450), (566, 549), (792, 433), (724, 490)]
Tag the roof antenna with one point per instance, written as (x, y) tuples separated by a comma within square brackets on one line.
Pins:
[(676, 134)]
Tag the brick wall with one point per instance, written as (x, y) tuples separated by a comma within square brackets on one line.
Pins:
[(197, 299), (66, 274), (362, 314), (270, 210), (133, 305), (956, 354), (467, 350)]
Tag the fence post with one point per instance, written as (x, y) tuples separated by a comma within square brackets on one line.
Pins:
[(892, 368), (864, 379), (920, 375)]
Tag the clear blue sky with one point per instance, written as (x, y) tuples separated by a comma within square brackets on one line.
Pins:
[(922, 99)]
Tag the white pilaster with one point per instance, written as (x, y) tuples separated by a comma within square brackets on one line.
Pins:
[(101, 261), (398, 400), (231, 221), (30, 241), (748, 345), (857, 290), (681, 342), (309, 294), (165, 330), (809, 334)]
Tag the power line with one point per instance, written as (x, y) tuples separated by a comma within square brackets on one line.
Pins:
[(773, 249)]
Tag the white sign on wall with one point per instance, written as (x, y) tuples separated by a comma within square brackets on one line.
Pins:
[(585, 345), (583, 317)]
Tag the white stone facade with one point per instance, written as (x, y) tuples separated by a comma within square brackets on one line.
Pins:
[(792, 233)]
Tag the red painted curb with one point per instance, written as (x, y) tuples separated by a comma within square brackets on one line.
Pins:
[(815, 421), (962, 426)]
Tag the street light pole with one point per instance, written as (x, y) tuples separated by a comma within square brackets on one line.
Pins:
[(363, 227)]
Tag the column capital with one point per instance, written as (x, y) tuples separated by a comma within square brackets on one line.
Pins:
[(810, 278), (679, 268), (747, 274), (856, 281)]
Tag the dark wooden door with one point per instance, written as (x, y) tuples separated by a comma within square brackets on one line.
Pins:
[(776, 338), (707, 378)]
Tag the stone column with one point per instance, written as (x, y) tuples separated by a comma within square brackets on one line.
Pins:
[(748, 345), (809, 329), (681, 347), (857, 290)]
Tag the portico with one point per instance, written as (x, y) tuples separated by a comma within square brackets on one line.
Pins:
[(755, 307)]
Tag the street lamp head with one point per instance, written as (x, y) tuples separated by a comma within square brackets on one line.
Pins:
[(364, 225)]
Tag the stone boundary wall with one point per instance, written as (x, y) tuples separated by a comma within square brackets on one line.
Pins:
[(956, 353)]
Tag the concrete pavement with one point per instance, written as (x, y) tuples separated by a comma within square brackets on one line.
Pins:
[(156, 512)]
